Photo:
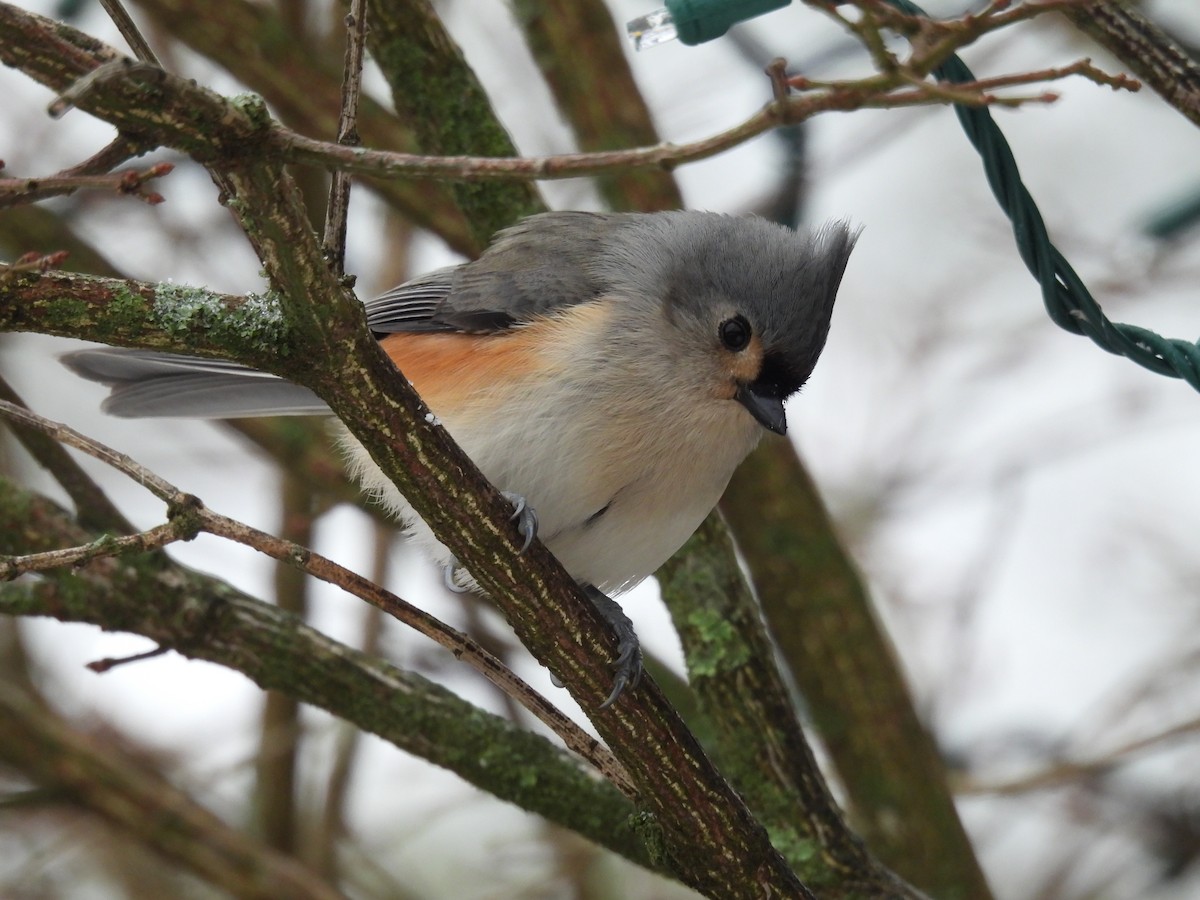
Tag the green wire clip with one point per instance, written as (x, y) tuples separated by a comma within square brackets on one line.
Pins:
[(695, 21)]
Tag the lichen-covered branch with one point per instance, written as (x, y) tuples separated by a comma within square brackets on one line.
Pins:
[(130, 313), (731, 666)]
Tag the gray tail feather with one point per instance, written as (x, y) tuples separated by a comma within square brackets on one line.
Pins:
[(149, 384)]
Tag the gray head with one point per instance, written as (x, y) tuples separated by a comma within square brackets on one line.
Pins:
[(749, 297)]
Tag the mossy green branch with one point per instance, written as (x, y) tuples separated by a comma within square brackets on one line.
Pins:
[(761, 746), (819, 613), (440, 98), (203, 618), (171, 317)]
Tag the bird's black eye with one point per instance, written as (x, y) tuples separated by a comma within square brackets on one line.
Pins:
[(735, 333)]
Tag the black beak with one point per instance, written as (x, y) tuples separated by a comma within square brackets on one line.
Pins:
[(764, 406)]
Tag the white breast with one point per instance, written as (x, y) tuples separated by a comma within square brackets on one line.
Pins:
[(619, 482)]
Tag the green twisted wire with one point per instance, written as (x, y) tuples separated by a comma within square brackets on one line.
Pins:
[(1068, 301)]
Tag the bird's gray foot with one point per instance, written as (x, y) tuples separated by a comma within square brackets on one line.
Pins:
[(628, 663), (525, 517), (448, 573)]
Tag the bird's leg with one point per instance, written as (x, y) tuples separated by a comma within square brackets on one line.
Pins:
[(629, 649), (525, 517)]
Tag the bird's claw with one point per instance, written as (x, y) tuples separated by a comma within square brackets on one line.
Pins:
[(628, 663), (527, 527), (525, 517), (448, 573)]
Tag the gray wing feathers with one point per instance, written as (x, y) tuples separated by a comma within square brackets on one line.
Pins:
[(413, 305), (534, 268), (148, 384), (531, 269)]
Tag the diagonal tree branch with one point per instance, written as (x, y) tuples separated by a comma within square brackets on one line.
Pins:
[(731, 666), (1149, 52), (843, 664)]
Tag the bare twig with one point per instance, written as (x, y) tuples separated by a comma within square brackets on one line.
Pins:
[(100, 666), (978, 92), (130, 182), (1084, 67), (188, 516), (347, 136), (1067, 772), (108, 545), (31, 262), (905, 86), (117, 151), (133, 36), (897, 84)]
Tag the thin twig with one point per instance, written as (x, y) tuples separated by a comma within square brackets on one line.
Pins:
[(133, 36), (1084, 67), (1067, 772), (106, 545), (120, 149), (878, 91), (188, 516), (31, 262), (100, 666), (337, 210), (16, 191)]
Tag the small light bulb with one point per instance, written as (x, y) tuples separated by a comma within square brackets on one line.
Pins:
[(652, 29)]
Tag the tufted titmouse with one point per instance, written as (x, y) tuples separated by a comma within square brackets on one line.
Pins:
[(608, 371)]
